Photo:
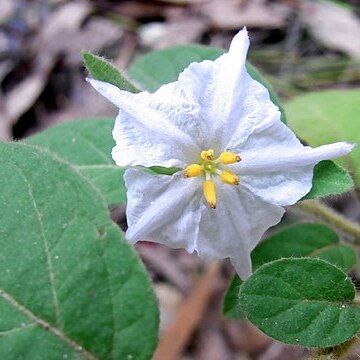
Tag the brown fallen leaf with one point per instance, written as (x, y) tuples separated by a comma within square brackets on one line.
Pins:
[(5, 67), (7, 10), (279, 351), (20, 98), (66, 19), (138, 9), (188, 317), (63, 34), (333, 25), (212, 344), (95, 35), (234, 14), (169, 301), (244, 336), (160, 259), (58, 31), (183, 2), (162, 35), (85, 102)]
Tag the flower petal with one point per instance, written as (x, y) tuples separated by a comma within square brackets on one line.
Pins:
[(285, 159), (153, 129), (235, 227), (225, 91), (162, 209), (277, 167), (228, 97)]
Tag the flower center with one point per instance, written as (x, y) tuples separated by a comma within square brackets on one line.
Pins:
[(208, 167)]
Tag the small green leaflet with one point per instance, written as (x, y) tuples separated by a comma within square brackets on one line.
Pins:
[(305, 301), (102, 70), (304, 240), (329, 179)]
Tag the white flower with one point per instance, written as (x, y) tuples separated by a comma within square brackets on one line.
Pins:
[(220, 127)]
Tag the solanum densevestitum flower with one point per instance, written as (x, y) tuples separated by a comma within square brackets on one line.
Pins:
[(240, 164)]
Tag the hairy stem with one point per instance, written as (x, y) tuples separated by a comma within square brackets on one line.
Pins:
[(332, 217)]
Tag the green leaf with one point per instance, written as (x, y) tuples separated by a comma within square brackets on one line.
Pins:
[(70, 287), (164, 66), (304, 240), (231, 307), (302, 302), (102, 70), (87, 144), (329, 179), (343, 256), (329, 116)]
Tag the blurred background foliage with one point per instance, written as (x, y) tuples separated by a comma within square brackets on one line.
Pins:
[(300, 46)]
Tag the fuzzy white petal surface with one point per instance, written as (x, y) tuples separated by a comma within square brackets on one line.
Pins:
[(277, 167), (153, 129), (232, 104), (280, 159), (162, 209), (217, 86), (256, 112), (235, 227), (226, 83)]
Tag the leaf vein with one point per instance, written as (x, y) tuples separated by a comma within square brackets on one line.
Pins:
[(47, 326), (46, 247), (15, 330)]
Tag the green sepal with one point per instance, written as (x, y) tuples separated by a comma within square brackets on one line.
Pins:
[(102, 70)]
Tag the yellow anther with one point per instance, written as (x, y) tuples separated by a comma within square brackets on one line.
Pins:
[(210, 193), (192, 170), (229, 157), (229, 177), (207, 155)]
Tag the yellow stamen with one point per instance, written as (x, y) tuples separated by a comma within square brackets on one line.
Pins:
[(229, 177), (229, 157), (209, 193), (207, 154), (192, 170), (208, 168)]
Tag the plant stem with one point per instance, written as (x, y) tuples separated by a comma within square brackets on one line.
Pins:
[(332, 217)]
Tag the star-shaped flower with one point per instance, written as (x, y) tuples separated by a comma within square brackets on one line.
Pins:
[(240, 164)]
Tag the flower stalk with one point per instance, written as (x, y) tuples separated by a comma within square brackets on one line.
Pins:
[(333, 218)]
